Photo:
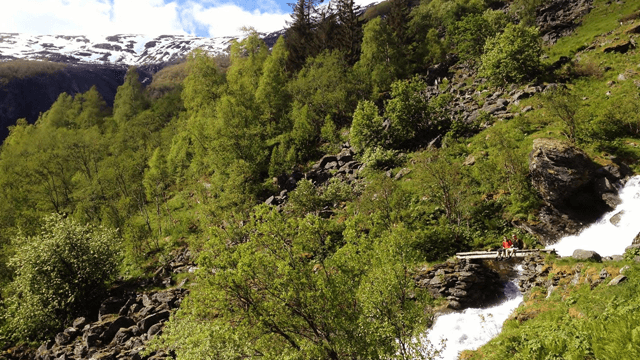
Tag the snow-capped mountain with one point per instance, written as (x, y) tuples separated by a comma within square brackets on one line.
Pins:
[(116, 49)]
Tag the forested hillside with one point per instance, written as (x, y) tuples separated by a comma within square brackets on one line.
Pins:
[(432, 109)]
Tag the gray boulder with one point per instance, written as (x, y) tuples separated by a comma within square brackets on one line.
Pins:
[(580, 254), (617, 280), (146, 323), (615, 219)]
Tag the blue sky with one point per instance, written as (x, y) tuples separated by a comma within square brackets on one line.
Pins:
[(207, 18)]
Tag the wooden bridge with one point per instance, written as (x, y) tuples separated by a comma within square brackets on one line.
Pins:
[(494, 254)]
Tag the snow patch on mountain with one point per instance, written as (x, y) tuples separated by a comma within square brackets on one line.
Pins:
[(115, 49)]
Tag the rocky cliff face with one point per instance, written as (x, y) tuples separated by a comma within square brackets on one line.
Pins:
[(28, 97), (576, 191)]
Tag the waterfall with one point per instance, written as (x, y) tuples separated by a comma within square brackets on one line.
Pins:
[(472, 328), (603, 236)]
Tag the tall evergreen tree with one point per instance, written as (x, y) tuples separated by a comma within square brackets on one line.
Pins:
[(300, 34), (350, 31)]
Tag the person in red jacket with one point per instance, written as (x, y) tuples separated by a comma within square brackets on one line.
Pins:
[(502, 251), (509, 250)]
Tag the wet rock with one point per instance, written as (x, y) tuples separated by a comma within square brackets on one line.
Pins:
[(571, 185), (526, 109), (121, 337), (402, 173), (155, 329), (558, 170), (62, 339), (580, 254), (469, 161), (615, 219)]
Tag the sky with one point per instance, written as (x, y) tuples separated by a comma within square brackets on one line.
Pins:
[(207, 18)]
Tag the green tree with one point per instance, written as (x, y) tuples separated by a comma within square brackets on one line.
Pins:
[(513, 56), (367, 128), (471, 33), (130, 99), (58, 274), (93, 109), (380, 61), (272, 94), (408, 112), (350, 30)]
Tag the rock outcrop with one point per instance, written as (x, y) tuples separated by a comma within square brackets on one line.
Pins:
[(536, 273), (463, 283), (123, 325), (560, 18), (342, 165), (576, 191)]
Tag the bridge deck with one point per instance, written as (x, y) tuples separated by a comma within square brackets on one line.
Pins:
[(494, 254)]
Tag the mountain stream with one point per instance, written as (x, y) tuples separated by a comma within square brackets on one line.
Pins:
[(471, 328)]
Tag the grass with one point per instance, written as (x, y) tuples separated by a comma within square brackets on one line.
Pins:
[(19, 69), (575, 322), (602, 19)]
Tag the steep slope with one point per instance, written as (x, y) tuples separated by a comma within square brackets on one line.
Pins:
[(27, 97)]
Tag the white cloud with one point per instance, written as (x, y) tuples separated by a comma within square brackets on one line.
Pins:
[(227, 19), (153, 17)]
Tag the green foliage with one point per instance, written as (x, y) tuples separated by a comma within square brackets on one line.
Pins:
[(130, 100), (379, 158), (565, 106), (525, 10), (380, 61), (367, 127), (325, 85), (513, 56), (292, 288), (408, 112), (600, 323), (470, 34), (20, 69), (58, 274)]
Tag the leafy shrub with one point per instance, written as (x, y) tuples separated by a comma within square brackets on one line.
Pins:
[(408, 112), (471, 33), (367, 127), (513, 56), (58, 273), (380, 158)]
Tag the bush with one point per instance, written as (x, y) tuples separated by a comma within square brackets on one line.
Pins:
[(367, 128), (470, 34), (513, 56), (58, 273)]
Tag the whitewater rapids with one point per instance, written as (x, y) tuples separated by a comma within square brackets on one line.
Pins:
[(604, 237), (472, 328)]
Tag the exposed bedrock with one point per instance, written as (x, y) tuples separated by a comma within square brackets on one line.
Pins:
[(575, 190)]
